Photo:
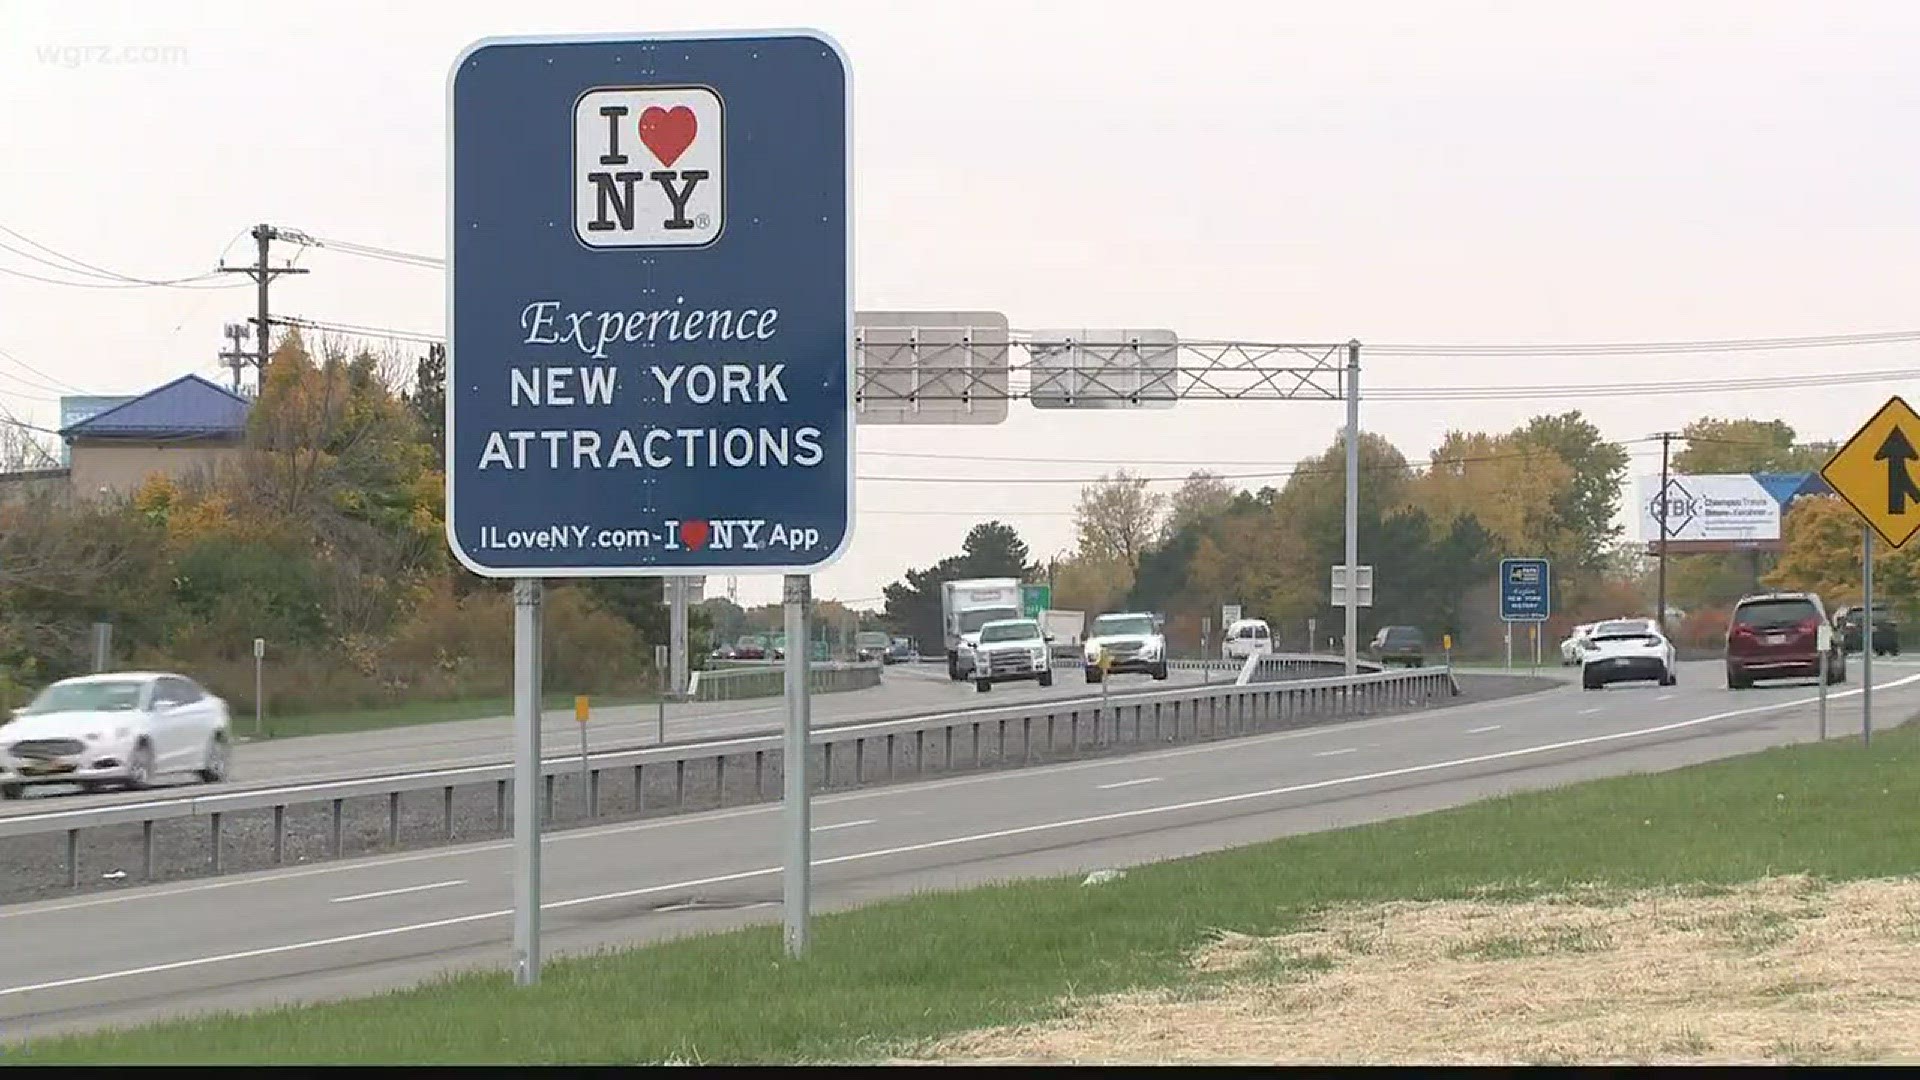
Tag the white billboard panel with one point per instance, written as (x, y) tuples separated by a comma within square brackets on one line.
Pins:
[(1104, 369), (930, 367), (1709, 508)]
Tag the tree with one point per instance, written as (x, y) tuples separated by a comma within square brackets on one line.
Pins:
[(1085, 583), (1586, 506), (1117, 518), (22, 451), (1509, 484), (1314, 498), (1746, 446), (991, 549), (1203, 497), (728, 619), (428, 400), (1821, 551), (994, 549), (337, 451)]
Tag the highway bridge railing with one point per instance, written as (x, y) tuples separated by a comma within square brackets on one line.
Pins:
[(744, 769)]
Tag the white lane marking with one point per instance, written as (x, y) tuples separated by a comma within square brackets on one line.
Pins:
[(1664, 697), (395, 892), (1588, 712), (1234, 746), (1337, 753), (846, 825), (1483, 730), (1128, 783), (932, 845)]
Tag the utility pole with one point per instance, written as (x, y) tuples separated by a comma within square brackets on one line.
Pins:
[(1660, 511), (262, 275), (236, 356)]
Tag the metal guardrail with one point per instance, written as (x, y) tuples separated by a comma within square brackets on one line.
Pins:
[(770, 680), (1278, 666), (1157, 716)]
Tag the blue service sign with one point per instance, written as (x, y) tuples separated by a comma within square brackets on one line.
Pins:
[(1526, 594), (650, 316)]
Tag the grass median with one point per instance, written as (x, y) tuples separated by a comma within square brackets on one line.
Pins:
[(885, 979), (340, 721)]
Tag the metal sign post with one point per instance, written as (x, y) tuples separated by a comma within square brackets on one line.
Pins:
[(526, 781), (1866, 635), (677, 633), (798, 809), (1106, 684), (102, 646), (1824, 642), (650, 335), (1352, 388), (666, 689), (259, 686), (1509, 627)]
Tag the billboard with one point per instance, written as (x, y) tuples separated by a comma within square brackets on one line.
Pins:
[(74, 409), (1719, 509)]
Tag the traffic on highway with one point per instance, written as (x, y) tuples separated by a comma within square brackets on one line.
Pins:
[(1266, 536)]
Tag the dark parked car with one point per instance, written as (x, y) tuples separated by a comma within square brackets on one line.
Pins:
[(1399, 644), (1886, 631), (901, 650), (750, 647), (1776, 636)]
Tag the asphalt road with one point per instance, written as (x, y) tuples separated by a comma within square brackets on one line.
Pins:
[(904, 691), (364, 925)]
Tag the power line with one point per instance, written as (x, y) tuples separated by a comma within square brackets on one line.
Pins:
[(1304, 468), (52, 383), (1649, 348), (1645, 389), (359, 330), (102, 277)]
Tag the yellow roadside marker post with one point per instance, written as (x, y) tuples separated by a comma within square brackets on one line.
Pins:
[(580, 712)]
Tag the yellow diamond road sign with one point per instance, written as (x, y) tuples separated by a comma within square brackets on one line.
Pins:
[(1878, 472)]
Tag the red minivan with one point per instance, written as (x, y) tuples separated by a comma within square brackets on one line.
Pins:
[(1777, 636)]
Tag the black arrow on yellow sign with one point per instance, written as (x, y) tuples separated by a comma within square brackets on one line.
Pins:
[(1899, 455), (1877, 472)]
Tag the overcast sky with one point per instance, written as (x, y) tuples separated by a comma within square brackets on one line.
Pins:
[(1413, 172)]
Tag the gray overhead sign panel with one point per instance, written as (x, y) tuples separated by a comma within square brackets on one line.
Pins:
[(930, 367), (1104, 369)]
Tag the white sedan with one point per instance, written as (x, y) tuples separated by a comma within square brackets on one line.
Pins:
[(1627, 650), (124, 729)]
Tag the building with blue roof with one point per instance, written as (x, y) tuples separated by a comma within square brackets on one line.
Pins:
[(187, 428)]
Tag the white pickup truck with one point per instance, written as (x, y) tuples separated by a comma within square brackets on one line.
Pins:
[(1010, 649)]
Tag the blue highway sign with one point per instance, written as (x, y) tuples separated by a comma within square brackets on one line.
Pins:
[(650, 313), (1526, 593)]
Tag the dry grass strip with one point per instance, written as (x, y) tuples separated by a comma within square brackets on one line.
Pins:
[(1783, 970)]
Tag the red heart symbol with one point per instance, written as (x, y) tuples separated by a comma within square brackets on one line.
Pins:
[(694, 534), (668, 132)]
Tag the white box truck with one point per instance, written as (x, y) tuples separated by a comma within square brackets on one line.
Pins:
[(967, 605)]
